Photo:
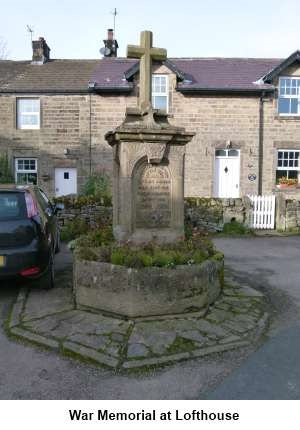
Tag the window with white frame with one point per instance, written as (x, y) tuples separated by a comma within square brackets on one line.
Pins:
[(288, 164), (160, 96), (289, 96), (28, 113), (26, 171)]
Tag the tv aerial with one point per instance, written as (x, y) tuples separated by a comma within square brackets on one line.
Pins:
[(105, 51), (30, 30)]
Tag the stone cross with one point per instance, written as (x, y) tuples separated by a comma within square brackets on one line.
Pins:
[(146, 53)]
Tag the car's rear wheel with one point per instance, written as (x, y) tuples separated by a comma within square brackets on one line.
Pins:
[(47, 281)]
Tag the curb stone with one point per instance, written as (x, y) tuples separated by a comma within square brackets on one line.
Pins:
[(90, 353), (219, 330), (17, 308), (33, 337)]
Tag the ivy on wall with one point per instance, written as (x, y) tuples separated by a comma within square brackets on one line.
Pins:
[(6, 175)]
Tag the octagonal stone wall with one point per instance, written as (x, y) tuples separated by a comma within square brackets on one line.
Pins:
[(148, 291)]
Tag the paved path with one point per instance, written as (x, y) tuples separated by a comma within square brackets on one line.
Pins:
[(272, 265), (28, 372)]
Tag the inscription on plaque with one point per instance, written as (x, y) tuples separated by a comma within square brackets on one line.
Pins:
[(153, 200)]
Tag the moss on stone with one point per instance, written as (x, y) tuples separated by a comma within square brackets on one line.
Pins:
[(181, 344)]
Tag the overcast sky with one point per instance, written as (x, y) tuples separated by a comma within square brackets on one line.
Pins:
[(191, 28)]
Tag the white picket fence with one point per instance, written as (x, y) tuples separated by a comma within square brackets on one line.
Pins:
[(262, 214)]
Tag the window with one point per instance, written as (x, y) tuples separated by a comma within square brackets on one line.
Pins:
[(227, 152), (26, 171), (160, 92), (12, 206), (28, 113), (288, 164), (289, 96)]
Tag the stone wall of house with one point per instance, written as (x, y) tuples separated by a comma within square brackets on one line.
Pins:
[(79, 123), (280, 132), (216, 121), (64, 125)]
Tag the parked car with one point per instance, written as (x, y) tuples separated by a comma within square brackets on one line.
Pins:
[(29, 234)]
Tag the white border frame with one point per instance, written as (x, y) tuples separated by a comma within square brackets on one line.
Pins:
[(25, 171), (287, 167), (29, 126), (162, 94), (288, 97)]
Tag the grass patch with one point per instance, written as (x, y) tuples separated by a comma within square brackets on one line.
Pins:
[(235, 227), (181, 344)]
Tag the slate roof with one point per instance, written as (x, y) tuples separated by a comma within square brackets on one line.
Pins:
[(53, 76), (109, 74), (224, 73)]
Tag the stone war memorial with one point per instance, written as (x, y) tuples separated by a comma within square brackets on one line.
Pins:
[(148, 206), (148, 158), (149, 295)]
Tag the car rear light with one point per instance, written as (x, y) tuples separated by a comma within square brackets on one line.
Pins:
[(31, 271), (31, 206)]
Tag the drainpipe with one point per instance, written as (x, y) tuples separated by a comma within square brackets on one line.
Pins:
[(90, 146), (261, 142)]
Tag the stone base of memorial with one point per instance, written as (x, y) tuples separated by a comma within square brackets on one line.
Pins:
[(149, 291), (148, 170)]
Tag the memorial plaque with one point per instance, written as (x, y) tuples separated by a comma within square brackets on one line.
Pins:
[(153, 199)]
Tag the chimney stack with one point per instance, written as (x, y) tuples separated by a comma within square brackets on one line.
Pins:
[(110, 45), (40, 51)]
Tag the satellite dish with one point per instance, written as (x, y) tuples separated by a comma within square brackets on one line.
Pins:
[(105, 51)]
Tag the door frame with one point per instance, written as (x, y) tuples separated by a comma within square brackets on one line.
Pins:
[(226, 157), (65, 168)]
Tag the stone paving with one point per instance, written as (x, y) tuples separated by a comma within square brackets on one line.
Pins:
[(49, 318)]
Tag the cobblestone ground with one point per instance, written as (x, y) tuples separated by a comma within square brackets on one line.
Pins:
[(49, 318)]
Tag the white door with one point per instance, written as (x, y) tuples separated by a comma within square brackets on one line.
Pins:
[(227, 174), (65, 181)]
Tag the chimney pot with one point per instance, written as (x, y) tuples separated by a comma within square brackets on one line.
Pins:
[(110, 34)]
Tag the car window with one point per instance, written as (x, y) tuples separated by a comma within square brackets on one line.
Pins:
[(12, 206), (43, 199)]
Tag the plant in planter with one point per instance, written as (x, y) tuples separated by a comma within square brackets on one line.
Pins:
[(146, 279), (285, 182)]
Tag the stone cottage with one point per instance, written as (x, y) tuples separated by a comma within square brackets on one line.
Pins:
[(245, 111)]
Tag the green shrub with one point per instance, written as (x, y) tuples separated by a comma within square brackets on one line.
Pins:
[(193, 251), (218, 256), (162, 258), (6, 175), (235, 227), (98, 186), (73, 229), (146, 260), (95, 238), (188, 231)]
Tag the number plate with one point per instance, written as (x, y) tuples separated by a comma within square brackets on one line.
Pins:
[(2, 260)]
